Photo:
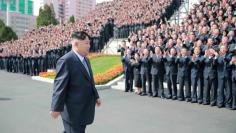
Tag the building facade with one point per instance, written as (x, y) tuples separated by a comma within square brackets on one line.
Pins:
[(20, 15), (21, 6), (64, 9)]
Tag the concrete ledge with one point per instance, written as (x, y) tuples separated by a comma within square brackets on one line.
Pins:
[(99, 87), (47, 80)]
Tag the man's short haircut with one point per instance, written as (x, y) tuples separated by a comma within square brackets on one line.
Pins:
[(80, 35)]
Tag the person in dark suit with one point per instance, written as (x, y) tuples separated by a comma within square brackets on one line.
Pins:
[(224, 96), (184, 72), (171, 73), (74, 93), (157, 71), (197, 76), (122, 49), (233, 71), (128, 69), (145, 72), (210, 77)]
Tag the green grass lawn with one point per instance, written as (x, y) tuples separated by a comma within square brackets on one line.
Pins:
[(101, 64), (104, 63)]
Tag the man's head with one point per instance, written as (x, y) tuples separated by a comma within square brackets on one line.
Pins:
[(81, 42), (197, 50), (184, 51), (223, 49)]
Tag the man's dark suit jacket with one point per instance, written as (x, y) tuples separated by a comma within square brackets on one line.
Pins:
[(158, 67), (74, 93)]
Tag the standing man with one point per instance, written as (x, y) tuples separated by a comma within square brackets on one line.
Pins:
[(128, 69), (157, 72), (122, 49), (145, 72), (210, 78), (233, 67), (171, 73), (197, 76), (224, 92), (74, 94), (184, 74)]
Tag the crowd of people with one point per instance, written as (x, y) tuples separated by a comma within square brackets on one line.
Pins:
[(197, 59), (143, 14), (199, 54), (50, 42)]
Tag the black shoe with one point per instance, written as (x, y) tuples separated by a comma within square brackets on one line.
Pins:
[(233, 108), (194, 101), (174, 98), (126, 90), (220, 106), (143, 94), (206, 103), (155, 95), (180, 99), (188, 99), (213, 104), (150, 94), (168, 97), (199, 102), (132, 90)]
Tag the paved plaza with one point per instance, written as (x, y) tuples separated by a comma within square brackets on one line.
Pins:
[(25, 104)]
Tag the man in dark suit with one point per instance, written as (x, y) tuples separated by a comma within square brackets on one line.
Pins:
[(210, 77), (128, 69), (74, 94), (184, 74), (224, 96), (171, 73), (233, 68), (157, 72), (145, 72), (197, 76), (122, 49)]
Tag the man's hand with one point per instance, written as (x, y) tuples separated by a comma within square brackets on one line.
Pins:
[(54, 114), (98, 102)]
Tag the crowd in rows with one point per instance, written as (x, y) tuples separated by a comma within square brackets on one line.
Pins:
[(33, 65), (41, 47), (197, 59), (107, 14)]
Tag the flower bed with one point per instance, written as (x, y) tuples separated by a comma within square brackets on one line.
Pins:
[(94, 55), (100, 78)]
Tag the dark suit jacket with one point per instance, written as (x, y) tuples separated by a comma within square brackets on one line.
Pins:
[(233, 67), (127, 64), (197, 67), (171, 65), (145, 65), (223, 67), (184, 69), (74, 93), (210, 70), (157, 65), (122, 50)]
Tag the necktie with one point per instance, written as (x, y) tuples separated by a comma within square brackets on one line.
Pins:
[(86, 66)]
